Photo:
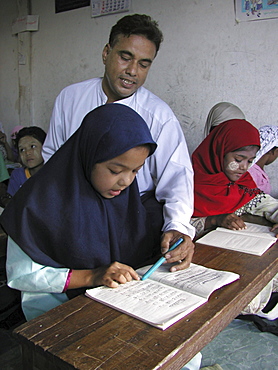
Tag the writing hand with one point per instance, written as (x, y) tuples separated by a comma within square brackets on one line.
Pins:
[(114, 274), (182, 254)]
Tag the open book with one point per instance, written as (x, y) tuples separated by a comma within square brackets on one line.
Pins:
[(256, 239), (165, 297)]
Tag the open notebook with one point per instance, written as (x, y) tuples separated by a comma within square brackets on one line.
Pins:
[(256, 239), (165, 297)]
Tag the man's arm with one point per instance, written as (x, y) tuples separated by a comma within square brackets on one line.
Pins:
[(172, 174), (54, 138)]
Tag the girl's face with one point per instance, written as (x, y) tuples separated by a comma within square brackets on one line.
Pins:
[(29, 150), (237, 163), (110, 178)]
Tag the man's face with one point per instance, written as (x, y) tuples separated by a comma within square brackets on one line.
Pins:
[(126, 66)]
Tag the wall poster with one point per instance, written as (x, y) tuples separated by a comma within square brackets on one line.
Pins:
[(251, 10)]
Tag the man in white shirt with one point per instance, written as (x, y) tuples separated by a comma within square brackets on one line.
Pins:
[(133, 44)]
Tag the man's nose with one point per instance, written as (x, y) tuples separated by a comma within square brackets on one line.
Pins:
[(132, 68)]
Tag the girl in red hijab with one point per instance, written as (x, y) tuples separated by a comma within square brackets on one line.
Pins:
[(223, 189)]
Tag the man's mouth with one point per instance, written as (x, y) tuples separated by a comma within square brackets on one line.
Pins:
[(127, 82)]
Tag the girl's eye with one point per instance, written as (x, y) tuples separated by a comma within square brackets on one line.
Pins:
[(114, 172)]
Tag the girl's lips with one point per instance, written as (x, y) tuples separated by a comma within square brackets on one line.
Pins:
[(114, 193)]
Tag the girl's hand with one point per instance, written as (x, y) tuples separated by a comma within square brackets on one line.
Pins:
[(113, 275), (275, 230), (229, 221)]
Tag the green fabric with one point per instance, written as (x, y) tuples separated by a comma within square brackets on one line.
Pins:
[(4, 174)]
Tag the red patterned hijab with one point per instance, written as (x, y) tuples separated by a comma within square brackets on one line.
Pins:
[(214, 193)]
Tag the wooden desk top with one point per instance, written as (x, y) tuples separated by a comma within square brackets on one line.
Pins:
[(84, 334)]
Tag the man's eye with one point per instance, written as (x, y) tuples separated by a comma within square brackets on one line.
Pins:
[(125, 58), (144, 65)]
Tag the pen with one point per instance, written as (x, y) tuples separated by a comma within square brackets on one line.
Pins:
[(161, 260)]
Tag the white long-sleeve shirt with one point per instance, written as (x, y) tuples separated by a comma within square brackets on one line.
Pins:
[(168, 170)]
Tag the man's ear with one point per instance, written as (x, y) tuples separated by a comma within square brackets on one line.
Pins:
[(105, 52)]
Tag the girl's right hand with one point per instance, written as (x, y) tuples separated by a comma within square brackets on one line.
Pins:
[(113, 275), (229, 221)]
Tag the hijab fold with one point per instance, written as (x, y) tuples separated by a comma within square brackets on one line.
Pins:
[(58, 218), (222, 112), (214, 193)]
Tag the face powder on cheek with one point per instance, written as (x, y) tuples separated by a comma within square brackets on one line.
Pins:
[(233, 166)]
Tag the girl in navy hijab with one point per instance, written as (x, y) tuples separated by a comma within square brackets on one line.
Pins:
[(79, 222)]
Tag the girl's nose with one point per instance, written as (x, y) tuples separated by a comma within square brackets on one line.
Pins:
[(126, 179), (244, 165)]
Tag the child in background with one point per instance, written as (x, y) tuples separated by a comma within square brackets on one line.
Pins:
[(224, 190), (29, 141), (221, 112), (5, 148), (267, 154)]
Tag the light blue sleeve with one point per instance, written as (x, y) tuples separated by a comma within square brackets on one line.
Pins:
[(26, 275), (41, 286)]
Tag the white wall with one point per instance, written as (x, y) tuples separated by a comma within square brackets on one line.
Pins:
[(206, 57)]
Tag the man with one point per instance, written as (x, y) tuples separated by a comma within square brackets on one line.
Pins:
[(133, 44)]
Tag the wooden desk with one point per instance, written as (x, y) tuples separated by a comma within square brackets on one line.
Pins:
[(83, 334)]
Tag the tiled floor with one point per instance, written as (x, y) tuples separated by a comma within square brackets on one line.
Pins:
[(241, 346)]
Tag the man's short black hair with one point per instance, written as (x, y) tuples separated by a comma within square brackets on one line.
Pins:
[(34, 131), (136, 24)]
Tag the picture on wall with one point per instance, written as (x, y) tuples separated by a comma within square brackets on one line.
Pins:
[(251, 10)]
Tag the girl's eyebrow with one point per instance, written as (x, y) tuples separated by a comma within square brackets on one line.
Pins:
[(245, 156), (123, 166)]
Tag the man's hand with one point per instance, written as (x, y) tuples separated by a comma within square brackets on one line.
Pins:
[(182, 254)]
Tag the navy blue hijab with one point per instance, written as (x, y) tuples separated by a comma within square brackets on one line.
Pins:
[(57, 217)]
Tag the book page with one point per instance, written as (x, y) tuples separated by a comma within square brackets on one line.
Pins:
[(196, 279), (252, 244), (254, 230), (150, 301)]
